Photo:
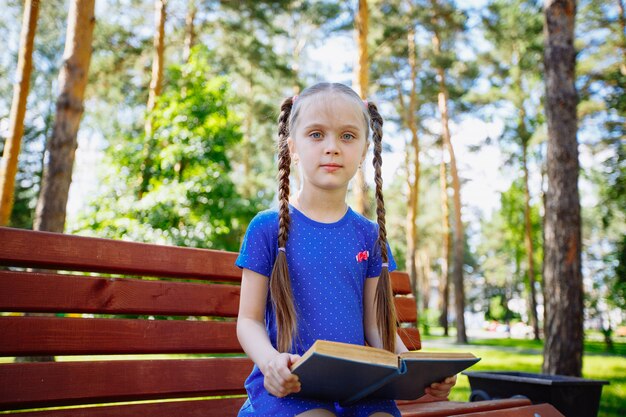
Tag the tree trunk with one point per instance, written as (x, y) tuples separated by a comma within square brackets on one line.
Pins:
[(622, 24), (190, 30), (57, 177), (361, 81), (413, 173), (563, 278), (155, 91), (444, 280), (246, 143), (424, 261), (8, 164), (524, 136), (457, 272), (534, 322)]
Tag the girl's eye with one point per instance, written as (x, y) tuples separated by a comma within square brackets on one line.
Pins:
[(315, 135), (348, 136)]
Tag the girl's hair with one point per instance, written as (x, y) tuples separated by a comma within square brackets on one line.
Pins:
[(280, 283)]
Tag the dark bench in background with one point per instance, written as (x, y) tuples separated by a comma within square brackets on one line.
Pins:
[(64, 295)]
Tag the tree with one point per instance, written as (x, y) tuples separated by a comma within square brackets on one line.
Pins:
[(57, 177), (39, 116), (502, 248), (601, 71), (444, 24), (361, 77), (192, 200), (515, 28), (444, 276), (11, 151), (562, 265), (160, 15), (190, 29)]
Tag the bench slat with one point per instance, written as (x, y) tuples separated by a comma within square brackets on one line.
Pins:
[(70, 383), (194, 408), (38, 292), (32, 249), (406, 309), (542, 410), (452, 408), (411, 337), (400, 283), (33, 336)]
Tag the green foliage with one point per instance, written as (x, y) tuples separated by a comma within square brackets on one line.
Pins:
[(499, 311), (191, 200)]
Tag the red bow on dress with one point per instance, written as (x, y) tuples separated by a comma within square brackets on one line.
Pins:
[(362, 256)]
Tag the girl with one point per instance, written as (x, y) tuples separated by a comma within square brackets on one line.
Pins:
[(328, 266)]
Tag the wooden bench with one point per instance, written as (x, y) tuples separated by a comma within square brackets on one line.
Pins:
[(68, 296)]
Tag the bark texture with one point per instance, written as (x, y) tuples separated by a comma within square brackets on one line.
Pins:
[(156, 83), (190, 29), (57, 177), (361, 82), (413, 168), (8, 164), (563, 279), (457, 271), (444, 279)]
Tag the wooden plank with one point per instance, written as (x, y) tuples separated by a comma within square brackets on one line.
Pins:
[(411, 337), (47, 250), (33, 336), (400, 283), (453, 408), (194, 408), (25, 385), (406, 309), (539, 410), (38, 292)]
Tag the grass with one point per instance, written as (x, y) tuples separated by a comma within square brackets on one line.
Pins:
[(525, 356)]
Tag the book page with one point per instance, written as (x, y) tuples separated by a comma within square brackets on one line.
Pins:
[(437, 355)]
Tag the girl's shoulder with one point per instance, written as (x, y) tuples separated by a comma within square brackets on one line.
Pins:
[(266, 219), (363, 222)]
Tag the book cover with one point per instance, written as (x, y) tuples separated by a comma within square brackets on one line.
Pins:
[(346, 373), (423, 370)]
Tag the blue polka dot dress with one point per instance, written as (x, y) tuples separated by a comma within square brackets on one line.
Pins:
[(328, 266)]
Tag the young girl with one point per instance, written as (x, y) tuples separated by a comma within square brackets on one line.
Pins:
[(315, 269)]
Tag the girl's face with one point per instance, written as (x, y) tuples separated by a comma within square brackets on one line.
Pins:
[(328, 140)]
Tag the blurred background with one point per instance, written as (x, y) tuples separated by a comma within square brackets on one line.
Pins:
[(179, 117)]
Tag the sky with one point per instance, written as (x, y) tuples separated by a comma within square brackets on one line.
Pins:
[(334, 58)]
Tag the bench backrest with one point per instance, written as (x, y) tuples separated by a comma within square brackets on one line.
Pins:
[(172, 309)]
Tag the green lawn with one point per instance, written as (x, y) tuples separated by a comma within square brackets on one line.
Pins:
[(497, 354)]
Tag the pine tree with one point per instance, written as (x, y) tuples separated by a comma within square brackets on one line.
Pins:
[(563, 278), (57, 177), (11, 151)]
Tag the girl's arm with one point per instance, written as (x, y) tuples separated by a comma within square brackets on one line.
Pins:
[(254, 338), (372, 336)]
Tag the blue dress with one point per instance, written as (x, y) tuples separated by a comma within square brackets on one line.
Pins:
[(328, 265)]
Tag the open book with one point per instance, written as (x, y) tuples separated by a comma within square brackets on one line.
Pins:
[(347, 373)]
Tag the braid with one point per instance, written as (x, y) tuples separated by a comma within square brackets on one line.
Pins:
[(385, 308), (280, 283)]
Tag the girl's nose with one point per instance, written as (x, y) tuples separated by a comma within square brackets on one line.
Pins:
[(332, 147)]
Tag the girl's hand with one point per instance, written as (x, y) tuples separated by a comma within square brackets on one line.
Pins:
[(442, 389), (279, 381)]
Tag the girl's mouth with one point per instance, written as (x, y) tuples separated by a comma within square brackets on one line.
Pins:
[(331, 167)]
